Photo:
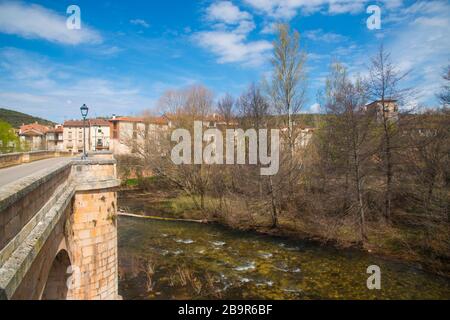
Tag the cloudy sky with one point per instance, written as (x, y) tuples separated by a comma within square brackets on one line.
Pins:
[(128, 53)]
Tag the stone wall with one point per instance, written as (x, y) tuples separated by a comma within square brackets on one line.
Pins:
[(20, 202), (63, 216), (94, 228), (94, 244)]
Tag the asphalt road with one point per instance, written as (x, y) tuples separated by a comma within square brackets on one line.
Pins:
[(12, 174)]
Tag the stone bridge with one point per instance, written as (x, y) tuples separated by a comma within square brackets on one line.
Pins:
[(58, 231)]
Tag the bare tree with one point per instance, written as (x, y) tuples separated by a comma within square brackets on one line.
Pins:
[(172, 101), (199, 102), (288, 86), (427, 160), (287, 92), (350, 132), (254, 107), (195, 101), (444, 96), (151, 143), (384, 86), (225, 108)]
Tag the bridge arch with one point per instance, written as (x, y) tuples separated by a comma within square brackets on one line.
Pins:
[(56, 286)]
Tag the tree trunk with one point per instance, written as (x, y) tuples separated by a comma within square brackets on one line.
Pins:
[(389, 172), (202, 201), (359, 193), (362, 216), (274, 206)]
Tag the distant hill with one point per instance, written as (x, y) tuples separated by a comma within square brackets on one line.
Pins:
[(16, 119)]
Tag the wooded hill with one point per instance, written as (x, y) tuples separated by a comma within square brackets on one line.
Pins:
[(16, 119)]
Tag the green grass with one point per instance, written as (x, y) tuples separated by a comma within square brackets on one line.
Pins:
[(184, 207), (180, 205), (141, 182), (131, 183)]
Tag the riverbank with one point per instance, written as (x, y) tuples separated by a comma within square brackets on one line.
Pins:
[(387, 242)]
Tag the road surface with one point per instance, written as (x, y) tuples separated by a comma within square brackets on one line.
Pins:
[(12, 174)]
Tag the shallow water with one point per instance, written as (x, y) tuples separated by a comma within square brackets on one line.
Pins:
[(180, 260)]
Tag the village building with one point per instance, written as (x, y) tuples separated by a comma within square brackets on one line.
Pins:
[(388, 107), (97, 135), (33, 136), (130, 132), (54, 139), (73, 135)]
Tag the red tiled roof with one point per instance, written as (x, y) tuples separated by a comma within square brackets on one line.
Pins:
[(211, 117), (154, 120), (34, 126), (89, 122), (127, 119), (56, 130), (380, 101), (99, 122), (32, 133), (74, 123)]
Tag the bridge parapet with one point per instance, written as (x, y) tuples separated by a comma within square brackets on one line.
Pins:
[(70, 208), (13, 159)]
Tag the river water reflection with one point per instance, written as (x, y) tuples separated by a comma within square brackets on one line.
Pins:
[(179, 260)]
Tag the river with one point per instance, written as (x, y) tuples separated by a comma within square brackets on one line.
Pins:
[(183, 260)]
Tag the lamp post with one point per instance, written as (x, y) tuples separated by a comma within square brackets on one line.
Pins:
[(84, 112)]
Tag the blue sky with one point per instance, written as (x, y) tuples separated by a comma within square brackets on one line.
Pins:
[(129, 52)]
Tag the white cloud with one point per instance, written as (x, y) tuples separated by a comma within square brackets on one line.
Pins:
[(343, 7), (287, 9), (36, 22), (421, 45), (269, 28), (315, 108), (417, 38), (320, 36), (33, 84), (226, 16), (311, 56), (140, 22), (226, 12), (228, 39), (233, 47)]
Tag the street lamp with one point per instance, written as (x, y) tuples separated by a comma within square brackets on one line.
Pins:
[(84, 112)]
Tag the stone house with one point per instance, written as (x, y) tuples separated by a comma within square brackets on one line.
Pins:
[(389, 108), (97, 135), (126, 131), (33, 136), (54, 139)]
